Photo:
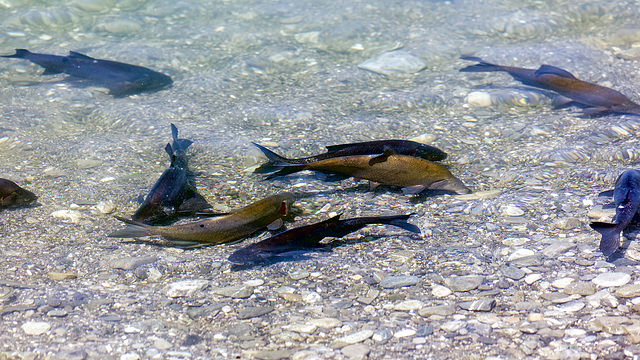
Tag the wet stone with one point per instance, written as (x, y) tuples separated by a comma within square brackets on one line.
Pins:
[(355, 351), (392, 282), (512, 272), (382, 336), (557, 248), (58, 276), (235, 291), (424, 331), (583, 288), (442, 310), (394, 63), (58, 313), (327, 323), (273, 355), (130, 263), (478, 305), (464, 283), (572, 306), (567, 223), (628, 291), (440, 291), (35, 327), (251, 312), (612, 279), (409, 305), (526, 261), (354, 338), (185, 288)]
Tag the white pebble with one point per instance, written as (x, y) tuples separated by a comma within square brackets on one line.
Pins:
[(441, 291), (35, 327), (612, 279), (511, 210), (531, 278), (404, 333), (479, 98)]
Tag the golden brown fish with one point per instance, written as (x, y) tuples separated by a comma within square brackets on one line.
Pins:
[(12, 194), (221, 229), (596, 99), (411, 173)]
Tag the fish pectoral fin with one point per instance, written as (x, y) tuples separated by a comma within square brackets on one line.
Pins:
[(560, 101), (552, 70), (52, 71), (277, 224), (412, 190), (373, 185), (375, 159), (607, 193)]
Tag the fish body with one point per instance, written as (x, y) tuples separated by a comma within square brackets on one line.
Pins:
[(626, 196), (402, 147), (175, 191), (309, 237), (225, 228), (597, 99), (12, 194), (120, 78), (411, 173)]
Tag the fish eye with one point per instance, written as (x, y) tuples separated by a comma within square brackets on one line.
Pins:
[(201, 225)]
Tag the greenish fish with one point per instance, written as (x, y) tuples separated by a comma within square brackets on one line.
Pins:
[(224, 228)]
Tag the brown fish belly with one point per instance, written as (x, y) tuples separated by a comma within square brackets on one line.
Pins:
[(396, 170), (231, 227)]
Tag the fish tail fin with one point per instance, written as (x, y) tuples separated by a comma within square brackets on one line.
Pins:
[(401, 222), (133, 229), (610, 237), (273, 160), (283, 169), (482, 65), (179, 144), (20, 53)]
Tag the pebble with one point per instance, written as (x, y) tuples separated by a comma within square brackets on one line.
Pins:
[(572, 306), (478, 305), (628, 291), (382, 335), (312, 297), (442, 310), (301, 328), (583, 288), (73, 216), (185, 288), (562, 282), (557, 248), (130, 356), (511, 210), (327, 323), (392, 282), (35, 327), (130, 263), (440, 291), (298, 275), (453, 325), (355, 351), (612, 279), (409, 305), (57, 276), (404, 333), (511, 241), (251, 312), (520, 253), (464, 283), (512, 272), (271, 354), (57, 313), (527, 261), (567, 223), (356, 337), (120, 27), (241, 291), (479, 98), (106, 207), (394, 63)]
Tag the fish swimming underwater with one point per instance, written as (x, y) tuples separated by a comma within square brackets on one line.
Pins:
[(626, 196), (411, 173), (309, 237), (402, 147), (596, 99), (221, 229), (12, 194), (175, 191), (121, 79)]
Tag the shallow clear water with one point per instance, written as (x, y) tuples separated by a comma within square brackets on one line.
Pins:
[(286, 74)]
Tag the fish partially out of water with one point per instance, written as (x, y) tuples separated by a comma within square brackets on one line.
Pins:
[(12, 194), (402, 147), (121, 79), (388, 168), (175, 191), (230, 227), (626, 196), (309, 237), (596, 99)]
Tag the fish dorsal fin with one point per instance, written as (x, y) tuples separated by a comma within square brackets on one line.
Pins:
[(375, 159), (174, 132), (77, 55), (333, 219), (548, 69)]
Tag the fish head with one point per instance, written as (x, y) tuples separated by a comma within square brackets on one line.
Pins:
[(450, 184), (19, 196), (429, 152)]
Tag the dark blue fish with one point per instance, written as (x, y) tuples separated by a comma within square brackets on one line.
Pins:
[(309, 237), (626, 196), (12, 194), (121, 79), (596, 99), (175, 191)]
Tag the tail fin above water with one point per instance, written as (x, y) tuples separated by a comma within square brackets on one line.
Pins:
[(179, 144), (20, 53), (610, 237)]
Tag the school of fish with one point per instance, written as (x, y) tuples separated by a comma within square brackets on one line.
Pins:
[(406, 164)]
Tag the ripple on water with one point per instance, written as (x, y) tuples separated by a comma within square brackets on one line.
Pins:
[(623, 154), (404, 100), (570, 155), (524, 98), (53, 17)]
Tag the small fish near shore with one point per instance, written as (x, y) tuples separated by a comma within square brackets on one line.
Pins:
[(121, 79), (175, 192), (307, 238), (626, 196), (230, 227), (596, 100), (13, 195), (413, 174), (401, 147)]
